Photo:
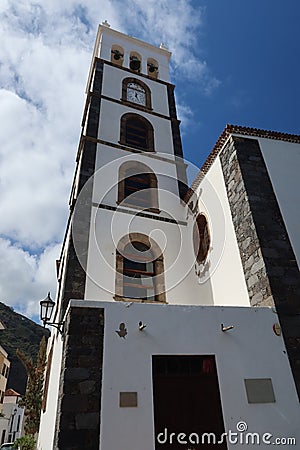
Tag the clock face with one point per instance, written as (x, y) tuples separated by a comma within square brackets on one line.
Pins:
[(136, 94)]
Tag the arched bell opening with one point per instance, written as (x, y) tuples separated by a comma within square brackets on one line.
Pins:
[(117, 55), (135, 62), (152, 68)]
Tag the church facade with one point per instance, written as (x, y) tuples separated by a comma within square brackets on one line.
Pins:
[(180, 304)]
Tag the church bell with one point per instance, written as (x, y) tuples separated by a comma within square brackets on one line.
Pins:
[(135, 63)]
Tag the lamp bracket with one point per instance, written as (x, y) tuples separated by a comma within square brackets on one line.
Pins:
[(60, 326)]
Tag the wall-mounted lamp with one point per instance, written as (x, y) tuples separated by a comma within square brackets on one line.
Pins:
[(230, 327), (142, 326), (46, 310)]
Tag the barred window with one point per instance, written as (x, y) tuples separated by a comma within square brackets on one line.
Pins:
[(136, 131), (139, 269), (138, 186)]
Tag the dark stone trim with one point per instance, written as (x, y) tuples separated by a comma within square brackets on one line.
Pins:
[(171, 101), (181, 171), (268, 260), (75, 277), (132, 150), (139, 214), (79, 402), (137, 107)]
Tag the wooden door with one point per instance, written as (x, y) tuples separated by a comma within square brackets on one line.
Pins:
[(186, 400)]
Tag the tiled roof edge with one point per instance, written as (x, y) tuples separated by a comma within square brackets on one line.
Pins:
[(236, 129), (12, 393)]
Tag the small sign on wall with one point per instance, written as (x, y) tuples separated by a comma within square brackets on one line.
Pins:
[(259, 390), (128, 399)]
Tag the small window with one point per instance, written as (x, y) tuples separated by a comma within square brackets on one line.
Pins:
[(138, 272), (117, 55), (201, 238), (139, 269), (138, 186), (136, 131)]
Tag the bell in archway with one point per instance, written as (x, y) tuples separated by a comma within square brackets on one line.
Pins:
[(152, 68), (135, 63), (117, 54)]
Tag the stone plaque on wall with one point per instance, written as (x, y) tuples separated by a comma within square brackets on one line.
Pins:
[(259, 390), (128, 399)]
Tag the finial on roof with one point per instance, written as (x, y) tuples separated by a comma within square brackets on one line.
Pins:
[(106, 24), (163, 46)]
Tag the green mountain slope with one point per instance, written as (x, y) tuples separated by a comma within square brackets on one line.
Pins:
[(22, 333)]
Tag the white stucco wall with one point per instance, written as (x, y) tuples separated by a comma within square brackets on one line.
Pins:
[(226, 272), (250, 350), (108, 227), (283, 162), (221, 281), (106, 178), (48, 418)]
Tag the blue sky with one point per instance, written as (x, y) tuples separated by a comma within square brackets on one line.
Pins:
[(233, 62), (252, 48)]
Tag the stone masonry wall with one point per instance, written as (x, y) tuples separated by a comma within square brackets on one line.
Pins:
[(74, 282), (259, 289), (79, 403), (268, 260)]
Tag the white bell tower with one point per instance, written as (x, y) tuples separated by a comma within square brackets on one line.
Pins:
[(129, 217), (154, 313)]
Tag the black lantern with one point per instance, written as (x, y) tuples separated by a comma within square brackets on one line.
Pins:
[(46, 310), (47, 306)]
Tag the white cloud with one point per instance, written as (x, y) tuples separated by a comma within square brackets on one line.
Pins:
[(45, 53), (176, 24), (185, 114), (24, 278)]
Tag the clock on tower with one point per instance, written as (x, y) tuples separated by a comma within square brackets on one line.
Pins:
[(136, 94)]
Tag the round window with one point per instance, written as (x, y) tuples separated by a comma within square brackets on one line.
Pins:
[(201, 238)]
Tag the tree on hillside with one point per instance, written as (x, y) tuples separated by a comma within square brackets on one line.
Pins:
[(34, 390)]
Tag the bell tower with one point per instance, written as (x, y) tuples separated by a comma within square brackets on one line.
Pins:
[(152, 299), (130, 177), (127, 216)]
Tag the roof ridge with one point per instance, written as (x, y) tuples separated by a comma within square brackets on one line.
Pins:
[(236, 129)]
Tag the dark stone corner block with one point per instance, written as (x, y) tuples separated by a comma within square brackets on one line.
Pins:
[(79, 402)]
